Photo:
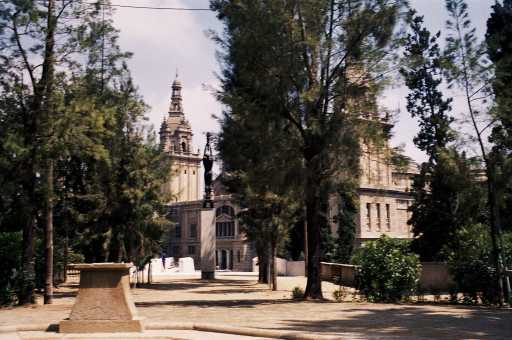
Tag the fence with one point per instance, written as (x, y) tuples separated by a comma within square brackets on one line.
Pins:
[(344, 274), (71, 270)]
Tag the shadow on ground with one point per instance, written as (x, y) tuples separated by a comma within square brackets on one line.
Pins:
[(197, 284), (413, 322), (216, 303)]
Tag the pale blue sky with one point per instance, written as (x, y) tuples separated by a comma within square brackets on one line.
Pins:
[(164, 40)]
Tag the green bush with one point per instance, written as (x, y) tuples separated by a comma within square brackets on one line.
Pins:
[(472, 267), (10, 265), (297, 293), (388, 270)]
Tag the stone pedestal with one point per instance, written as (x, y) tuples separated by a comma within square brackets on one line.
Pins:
[(207, 244), (104, 303), (186, 265)]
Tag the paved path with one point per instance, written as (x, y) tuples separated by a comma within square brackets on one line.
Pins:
[(240, 301)]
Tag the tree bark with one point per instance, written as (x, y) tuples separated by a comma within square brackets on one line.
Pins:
[(26, 294), (48, 287), (47, 80), (272, 261), (262, 266), (314, 283), (305, 247)]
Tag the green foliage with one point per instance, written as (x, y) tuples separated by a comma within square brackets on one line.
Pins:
[(346, 220), (423, 76), (447, 197), (10, 266), (472, 267), (388, 270), (89, 120), (296, 78), (297, 293), (499, 49)]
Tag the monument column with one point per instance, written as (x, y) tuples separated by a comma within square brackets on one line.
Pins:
[(208, 217)]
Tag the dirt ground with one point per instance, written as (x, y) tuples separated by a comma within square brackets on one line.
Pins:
[(238, 300)]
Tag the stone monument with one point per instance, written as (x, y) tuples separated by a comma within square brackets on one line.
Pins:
[(104, 303), (208, 217)]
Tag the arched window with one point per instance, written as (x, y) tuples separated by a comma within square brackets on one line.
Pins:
[(184, 147), (225, 210)]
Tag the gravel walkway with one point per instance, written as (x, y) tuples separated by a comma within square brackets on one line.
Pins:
[(237, 300)]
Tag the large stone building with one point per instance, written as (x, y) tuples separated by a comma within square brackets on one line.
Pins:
[(384, 197)]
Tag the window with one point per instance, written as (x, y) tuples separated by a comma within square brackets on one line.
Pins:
[(402, 204), (191, 250), (369, 216), (378, 217), (184, 147), (225, 229), (239, 256), (176, 251), (388, 218), (193, 231), (193, 172), (185, 172), (225, 224), (178, 230)]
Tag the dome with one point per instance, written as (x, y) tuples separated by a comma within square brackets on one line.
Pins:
[(176, 83)]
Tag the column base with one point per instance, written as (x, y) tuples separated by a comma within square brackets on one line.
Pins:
[(207, 275)]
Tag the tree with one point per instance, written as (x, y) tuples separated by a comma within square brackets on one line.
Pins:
[(28, 36), (346, 221), (263, 178), (307, 67), (469, 70), (436, 189), (499, 50), (73, 130)]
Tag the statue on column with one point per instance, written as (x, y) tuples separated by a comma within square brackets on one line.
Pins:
[(208, 175)]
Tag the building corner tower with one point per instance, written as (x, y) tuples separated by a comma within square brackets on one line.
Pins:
[(176, 141)]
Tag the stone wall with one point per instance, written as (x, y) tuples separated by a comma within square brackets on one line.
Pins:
[(434, 276), (284, 267), (338, 273)]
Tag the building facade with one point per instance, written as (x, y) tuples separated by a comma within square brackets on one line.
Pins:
[(384, 197), (176, 141)]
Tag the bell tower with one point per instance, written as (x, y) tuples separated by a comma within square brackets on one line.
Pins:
[(176, 141)]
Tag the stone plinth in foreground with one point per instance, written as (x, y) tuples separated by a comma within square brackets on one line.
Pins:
[(104, 303), (207, 244)]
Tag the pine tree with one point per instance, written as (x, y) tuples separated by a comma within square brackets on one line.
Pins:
[(469, 71), (499, 50), (306, 67), (434, 214)]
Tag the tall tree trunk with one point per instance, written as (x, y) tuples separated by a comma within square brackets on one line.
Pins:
[(305, 247), (48, 286), (314, 283), (26, 294), (496, 235), (47, 80), (272, 263), (66, 254), (262, 266)]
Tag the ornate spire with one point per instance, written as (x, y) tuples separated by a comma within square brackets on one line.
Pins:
[(176, 100)]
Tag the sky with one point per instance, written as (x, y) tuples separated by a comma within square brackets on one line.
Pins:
[(166, 42)]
